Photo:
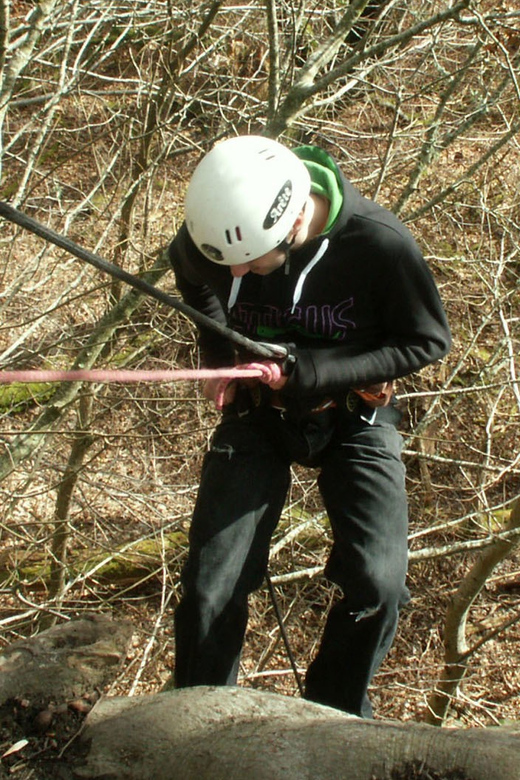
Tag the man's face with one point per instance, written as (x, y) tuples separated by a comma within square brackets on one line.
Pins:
[(263, 265)]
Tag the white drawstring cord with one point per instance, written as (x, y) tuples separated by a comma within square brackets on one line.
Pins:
[(308, 268)]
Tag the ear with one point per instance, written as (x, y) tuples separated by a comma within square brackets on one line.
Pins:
[(299, 220)]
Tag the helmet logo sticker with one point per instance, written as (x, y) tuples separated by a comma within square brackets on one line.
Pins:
[(279, 205), (212, 252)]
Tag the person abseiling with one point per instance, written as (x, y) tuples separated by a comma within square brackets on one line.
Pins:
[(278, 245)]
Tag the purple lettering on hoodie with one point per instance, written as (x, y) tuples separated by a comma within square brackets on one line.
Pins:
[(330, 322)]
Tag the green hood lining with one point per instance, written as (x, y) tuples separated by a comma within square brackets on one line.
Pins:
[(325, 178)]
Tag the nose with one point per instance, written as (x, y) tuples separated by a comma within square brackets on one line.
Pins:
[(240, 270)]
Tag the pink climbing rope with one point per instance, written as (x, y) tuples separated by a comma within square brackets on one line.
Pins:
[(267, 372)]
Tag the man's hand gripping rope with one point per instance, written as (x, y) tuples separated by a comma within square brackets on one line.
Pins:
[(222, 391)]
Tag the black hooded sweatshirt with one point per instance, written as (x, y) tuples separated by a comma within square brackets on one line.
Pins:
[(357, 304)]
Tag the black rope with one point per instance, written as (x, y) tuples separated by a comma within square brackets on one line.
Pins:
[(283, 632), (24, 221)]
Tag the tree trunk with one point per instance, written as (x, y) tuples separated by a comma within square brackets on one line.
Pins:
[(206, 733), (457, 652), (124, 565), (233, 734)]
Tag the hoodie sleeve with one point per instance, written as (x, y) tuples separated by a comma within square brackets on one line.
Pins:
[(412, 329), (216, 351)]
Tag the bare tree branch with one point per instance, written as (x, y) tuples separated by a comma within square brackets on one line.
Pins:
[(307, 84), (457, 651)]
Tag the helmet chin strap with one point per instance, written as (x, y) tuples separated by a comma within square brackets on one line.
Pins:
[(286, 247)]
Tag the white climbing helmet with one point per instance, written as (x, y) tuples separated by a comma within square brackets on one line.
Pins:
[(244, 197)]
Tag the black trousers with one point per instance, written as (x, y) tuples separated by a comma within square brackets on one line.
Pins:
[(244, 483)]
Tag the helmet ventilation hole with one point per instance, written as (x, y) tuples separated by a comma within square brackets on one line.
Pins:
[(229, 235)]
